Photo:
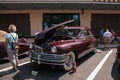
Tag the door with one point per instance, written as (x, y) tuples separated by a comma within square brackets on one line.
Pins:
[(110, 21), (20, 20)]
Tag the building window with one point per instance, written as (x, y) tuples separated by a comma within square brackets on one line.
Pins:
[(51, 19)]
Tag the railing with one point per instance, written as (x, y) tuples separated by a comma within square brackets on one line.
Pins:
[(106, 0), (60, 0)]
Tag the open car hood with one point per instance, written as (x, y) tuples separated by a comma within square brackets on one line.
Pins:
[(46, 34)]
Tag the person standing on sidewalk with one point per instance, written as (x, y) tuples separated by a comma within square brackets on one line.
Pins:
[(101, 35), (113, 35), (107, 36), (12, 53)]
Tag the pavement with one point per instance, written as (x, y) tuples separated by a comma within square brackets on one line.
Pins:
[(100, 46)]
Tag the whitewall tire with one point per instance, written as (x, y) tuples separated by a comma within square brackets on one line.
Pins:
[(69, 61)]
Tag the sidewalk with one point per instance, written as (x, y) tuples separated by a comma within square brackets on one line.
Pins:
[(111, 46)]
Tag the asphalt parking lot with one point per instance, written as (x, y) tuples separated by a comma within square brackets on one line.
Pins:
[(99, 66)]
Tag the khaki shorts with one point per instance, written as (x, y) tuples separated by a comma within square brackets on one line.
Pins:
[(107, 39), (13, 56)]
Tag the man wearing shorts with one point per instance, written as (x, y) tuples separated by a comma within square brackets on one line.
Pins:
[(107, 39)]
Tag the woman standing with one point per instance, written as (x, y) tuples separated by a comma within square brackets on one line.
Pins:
[(12, 53)]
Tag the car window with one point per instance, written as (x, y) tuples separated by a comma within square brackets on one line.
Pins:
[(73, 32), (84, 32), (68, 32)]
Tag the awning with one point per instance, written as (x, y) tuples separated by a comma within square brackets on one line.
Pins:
[(55, 5)]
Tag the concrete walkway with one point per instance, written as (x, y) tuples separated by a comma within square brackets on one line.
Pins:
[(111, 45)]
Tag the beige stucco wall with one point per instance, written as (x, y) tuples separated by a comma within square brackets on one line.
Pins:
[(85, 19), (36, 22), (36, 16)]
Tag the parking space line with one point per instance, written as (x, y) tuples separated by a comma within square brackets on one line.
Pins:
[(5, 69), (99, 66)]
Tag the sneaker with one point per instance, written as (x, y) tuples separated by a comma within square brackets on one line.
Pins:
[(14, 70)]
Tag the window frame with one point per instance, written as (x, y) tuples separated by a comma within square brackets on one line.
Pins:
[(60, 14)]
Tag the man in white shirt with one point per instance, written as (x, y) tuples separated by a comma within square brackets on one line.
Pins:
[(107, 38)]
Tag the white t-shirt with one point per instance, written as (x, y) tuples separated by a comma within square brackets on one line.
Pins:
[(107, 34)]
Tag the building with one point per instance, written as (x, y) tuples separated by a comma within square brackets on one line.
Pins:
[(31, 16)]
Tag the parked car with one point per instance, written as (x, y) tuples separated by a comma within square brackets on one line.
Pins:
[(62, 45), (24, 45), (118, 55)]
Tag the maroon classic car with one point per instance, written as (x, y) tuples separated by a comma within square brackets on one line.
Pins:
[(118, 55), (62, 45), (24, 45)]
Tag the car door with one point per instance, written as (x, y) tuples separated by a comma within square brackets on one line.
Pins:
[(87, 38), (91, 39), (84, 40)]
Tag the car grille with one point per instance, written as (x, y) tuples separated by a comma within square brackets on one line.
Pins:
[(49, 57), (52, 57)]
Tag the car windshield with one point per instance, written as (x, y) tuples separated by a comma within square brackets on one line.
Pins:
[(68, 32)]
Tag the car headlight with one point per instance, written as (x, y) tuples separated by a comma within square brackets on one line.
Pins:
[(53, 49)]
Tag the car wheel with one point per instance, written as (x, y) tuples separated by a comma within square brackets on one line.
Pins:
[(69, 61)]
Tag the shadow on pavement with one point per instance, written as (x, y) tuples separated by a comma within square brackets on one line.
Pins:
[(4, 61), (7, 60), (84, 58), (33, 71)]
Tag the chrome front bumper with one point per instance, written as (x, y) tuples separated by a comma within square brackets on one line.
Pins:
[(46, 58)]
